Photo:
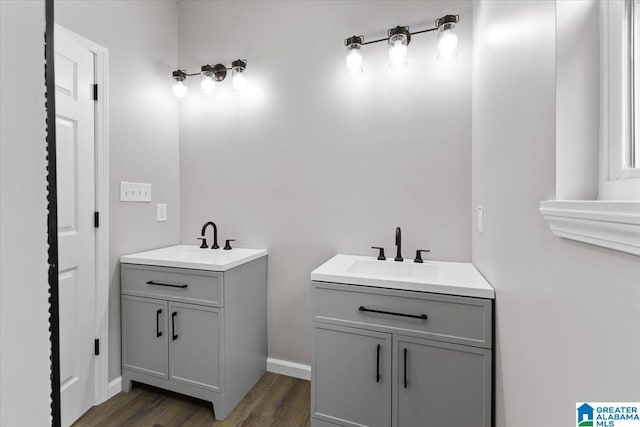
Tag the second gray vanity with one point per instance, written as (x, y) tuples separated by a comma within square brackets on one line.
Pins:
[(401, 344), (194, 321)]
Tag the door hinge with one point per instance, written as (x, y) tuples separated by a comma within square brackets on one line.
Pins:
[(96, 347), (96, 219), (95, 92)]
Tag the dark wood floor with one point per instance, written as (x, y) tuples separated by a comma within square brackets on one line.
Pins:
[(275, 401)]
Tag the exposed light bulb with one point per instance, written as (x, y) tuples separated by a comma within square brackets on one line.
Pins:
[(354, 60), (207, 84), (354, 56), (239, 81), (447, 44), (180, 90), (239, 75), (398, 42), (398, 54), (447, 38)]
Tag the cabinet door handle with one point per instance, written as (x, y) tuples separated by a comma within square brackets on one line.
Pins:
[(158, 333), (167, 285), (391, 313), (173, 325), (378, 364), (405, 368)]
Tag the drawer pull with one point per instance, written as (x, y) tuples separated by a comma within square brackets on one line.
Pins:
[(173, 325), (168, 285), (391, 313), (378, 364), (158, 333), (405, 367)]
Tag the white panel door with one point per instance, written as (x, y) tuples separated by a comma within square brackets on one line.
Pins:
[(76, 233)]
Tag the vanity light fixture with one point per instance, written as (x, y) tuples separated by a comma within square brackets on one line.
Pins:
[(238, 75), (179, 89), (354, 57), (399, 38), (207, 83), (447, 38), (210, 75)]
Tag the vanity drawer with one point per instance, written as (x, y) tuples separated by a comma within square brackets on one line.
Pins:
[(460, 320), (176, 284)]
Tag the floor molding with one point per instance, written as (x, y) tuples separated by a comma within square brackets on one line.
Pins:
[(292, 369), (277, 366), (114, 388)]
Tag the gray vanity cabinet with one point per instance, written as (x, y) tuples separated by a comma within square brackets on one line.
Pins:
[(440, 384), (197, 332), (144, 336), (354, 364), (433, 369)]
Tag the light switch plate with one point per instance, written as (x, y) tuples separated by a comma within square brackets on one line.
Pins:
[(135, 192), (480, 219), (161, 211)]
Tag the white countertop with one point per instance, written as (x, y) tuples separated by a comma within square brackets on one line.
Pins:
[(451, 278), (193, 257)]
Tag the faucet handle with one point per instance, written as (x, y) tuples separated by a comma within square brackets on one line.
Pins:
[(419, 255), (381, 256), (204, 243), (227, 244)]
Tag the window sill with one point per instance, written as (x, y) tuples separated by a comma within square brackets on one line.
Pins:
[(610, 224)]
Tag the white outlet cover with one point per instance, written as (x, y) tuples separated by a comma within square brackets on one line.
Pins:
[(161, 211), (480, 219), (135, 192)]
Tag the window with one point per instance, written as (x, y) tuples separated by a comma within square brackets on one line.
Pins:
[(620, 100), (597, 125)]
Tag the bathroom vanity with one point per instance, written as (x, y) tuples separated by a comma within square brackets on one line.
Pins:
[(401, 344), (194, 321)]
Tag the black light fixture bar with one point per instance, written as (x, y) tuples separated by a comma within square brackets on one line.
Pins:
[(182, 74), (214, 69), (424, 31), (211, 74), (447, 19)]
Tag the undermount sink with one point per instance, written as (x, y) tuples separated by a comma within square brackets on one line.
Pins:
[(426, 271), (452, 278)]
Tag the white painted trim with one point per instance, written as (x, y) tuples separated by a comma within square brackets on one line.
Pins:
[(628, 173), (292, 369), (610, 224), (101, 67), (102, 235), (617, 180), (114, 388)]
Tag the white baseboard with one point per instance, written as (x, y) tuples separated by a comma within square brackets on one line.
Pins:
[(277, 366), (292, 369), (114, 387)]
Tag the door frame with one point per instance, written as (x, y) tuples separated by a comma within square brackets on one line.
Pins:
[(101, 170)]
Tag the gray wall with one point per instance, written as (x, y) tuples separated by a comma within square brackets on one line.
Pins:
[(142, 39), (312, 162), (24, 308), (567, 313)]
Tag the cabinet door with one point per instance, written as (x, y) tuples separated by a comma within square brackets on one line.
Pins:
[(144, 336), (351, 383), (440, 385), (195, 345)]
